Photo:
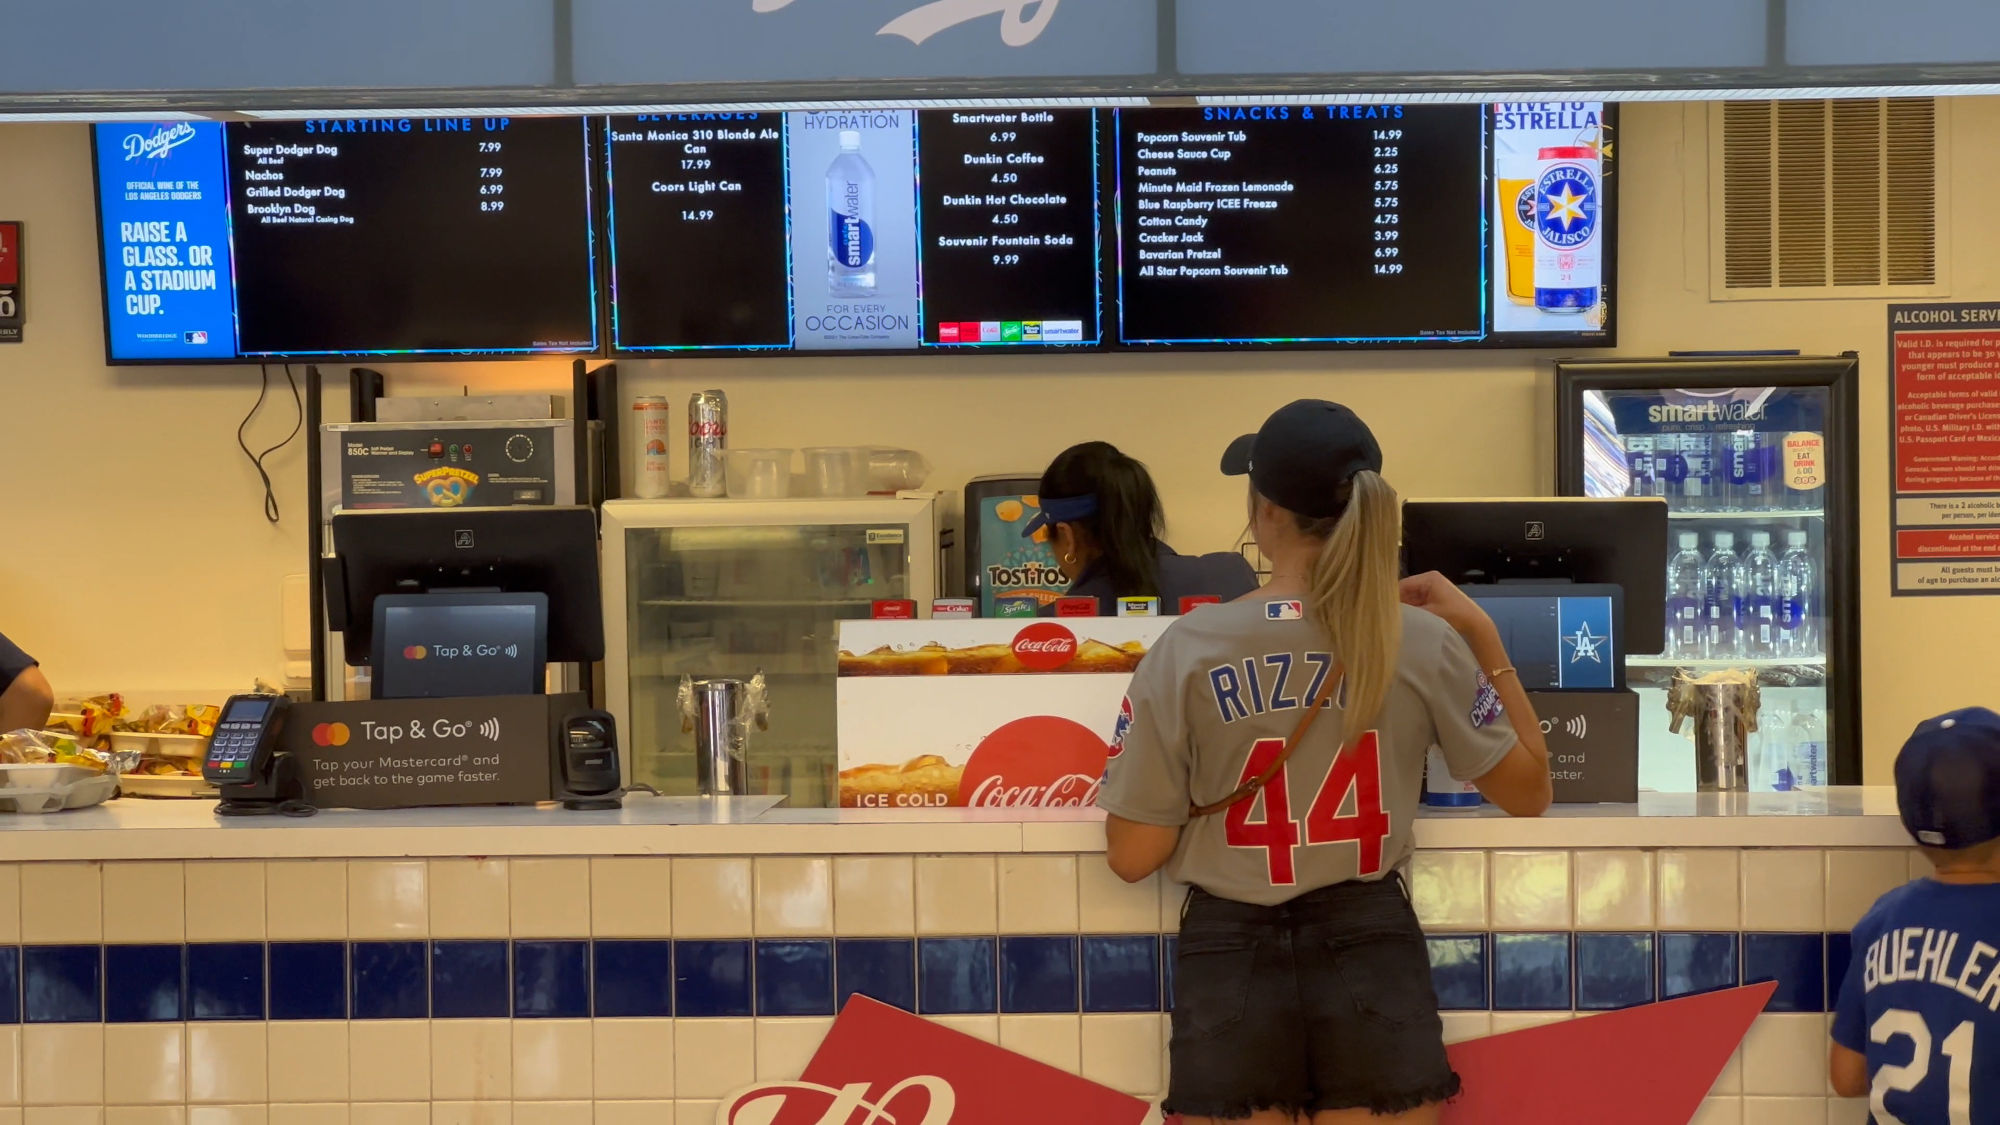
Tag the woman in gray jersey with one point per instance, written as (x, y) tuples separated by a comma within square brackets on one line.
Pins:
[(1271, 755)]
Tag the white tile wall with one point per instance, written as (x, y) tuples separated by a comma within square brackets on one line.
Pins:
[(1530, 890), (1448, 889), (1698, 889), (874, 895), (1038, 894), (794, 896), (578, 1072), (1784, 889), (1614, 889)]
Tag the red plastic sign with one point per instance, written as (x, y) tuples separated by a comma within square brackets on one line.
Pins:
[(1042, 761)]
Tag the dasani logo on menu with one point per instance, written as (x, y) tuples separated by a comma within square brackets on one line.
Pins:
[(1017, 27), (165, 139)]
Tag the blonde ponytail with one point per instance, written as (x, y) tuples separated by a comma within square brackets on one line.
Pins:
[(1354, 596)]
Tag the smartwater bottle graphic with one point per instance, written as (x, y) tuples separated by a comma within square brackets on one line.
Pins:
[(1798, 594), (850, 201), (1722, 600), (1759, 621)]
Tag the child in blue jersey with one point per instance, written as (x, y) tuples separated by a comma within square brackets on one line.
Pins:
[(1917, 1027)]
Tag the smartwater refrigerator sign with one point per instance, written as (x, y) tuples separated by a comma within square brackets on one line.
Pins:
[(650, 41), (10, 283), (1944, 439), (163, 201)]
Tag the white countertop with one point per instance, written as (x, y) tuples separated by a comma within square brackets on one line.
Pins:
[(159, 829)]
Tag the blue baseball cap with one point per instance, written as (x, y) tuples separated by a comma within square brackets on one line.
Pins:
[(1948, 779), (1305, 454), (1061, 510)]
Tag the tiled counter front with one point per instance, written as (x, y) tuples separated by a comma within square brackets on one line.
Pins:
[(558, 991)]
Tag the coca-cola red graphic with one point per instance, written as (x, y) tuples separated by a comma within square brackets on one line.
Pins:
[(1042, 761), (1044, 646), (880, 1064)]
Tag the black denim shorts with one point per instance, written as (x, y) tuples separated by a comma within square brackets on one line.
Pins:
[(1321, 1003)]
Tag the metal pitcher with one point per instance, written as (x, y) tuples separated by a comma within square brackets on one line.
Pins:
[(1724, 708), (720, 711)]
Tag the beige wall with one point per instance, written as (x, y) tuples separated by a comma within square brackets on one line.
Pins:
[(133, 553)]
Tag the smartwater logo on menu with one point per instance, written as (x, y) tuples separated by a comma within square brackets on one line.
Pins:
[(158, 143)]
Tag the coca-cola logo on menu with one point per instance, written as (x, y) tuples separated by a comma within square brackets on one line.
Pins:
[(840, 1105), (1041, 761), (1044, 646)]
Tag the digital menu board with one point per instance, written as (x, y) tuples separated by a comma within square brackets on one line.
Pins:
[(1301, 224), (368, 236), (878, 230), (863, 231)]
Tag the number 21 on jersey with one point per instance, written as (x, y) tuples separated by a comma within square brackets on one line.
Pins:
[(1356, 771), (1901, 1023)]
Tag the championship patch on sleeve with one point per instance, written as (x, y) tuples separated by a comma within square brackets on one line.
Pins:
[(1284, 611), (1121, 728), (1486, 703)]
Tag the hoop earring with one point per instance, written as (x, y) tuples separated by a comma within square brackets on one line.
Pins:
[(1070, 558)]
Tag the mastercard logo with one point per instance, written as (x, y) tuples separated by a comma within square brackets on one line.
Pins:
[(329, 734), (415, 652)]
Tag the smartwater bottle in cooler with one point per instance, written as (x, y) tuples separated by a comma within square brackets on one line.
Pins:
[(1697, 470), (1722, 600), (1684, 600), (1771, 752), (1641, 465), (1759, 623), (1798, 597), (1809, 748), (1743, 483)]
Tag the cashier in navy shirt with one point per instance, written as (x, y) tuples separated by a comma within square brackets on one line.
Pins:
[(1103, 518), (25, 698)]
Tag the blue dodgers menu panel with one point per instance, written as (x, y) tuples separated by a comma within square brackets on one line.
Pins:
[(163, 197), (347, 237)]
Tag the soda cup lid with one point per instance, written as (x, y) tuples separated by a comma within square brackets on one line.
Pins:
[(1569, 152)]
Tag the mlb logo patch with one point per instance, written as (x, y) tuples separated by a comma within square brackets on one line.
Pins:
[(1486, 703), (197, 337), (1120, 728), (1284, 611)]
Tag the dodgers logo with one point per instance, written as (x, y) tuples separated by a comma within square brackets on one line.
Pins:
[(1284, 611), (159, 142), (1566, 216), (1486, 705), (1120, 728)]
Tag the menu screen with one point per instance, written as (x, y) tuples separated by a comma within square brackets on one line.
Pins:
[(877, 230), (446, 235), (1294, 224), (863, 231)]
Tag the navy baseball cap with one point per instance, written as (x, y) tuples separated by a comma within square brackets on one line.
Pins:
[(1304, 456), (1057, 510), (1948, 779)]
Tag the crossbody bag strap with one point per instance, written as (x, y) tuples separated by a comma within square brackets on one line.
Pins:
[(1256, 784)]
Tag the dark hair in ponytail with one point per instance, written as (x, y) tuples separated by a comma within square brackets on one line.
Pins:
[(1128, 524)]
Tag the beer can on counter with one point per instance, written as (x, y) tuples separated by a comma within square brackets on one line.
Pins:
[(1569, 263), (651, 415), (708, 436)]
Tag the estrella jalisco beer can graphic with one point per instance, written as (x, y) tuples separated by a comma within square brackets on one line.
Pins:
[(1569, 264)]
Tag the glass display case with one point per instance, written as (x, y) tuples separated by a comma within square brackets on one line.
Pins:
[(1756, 458), (729, 588)]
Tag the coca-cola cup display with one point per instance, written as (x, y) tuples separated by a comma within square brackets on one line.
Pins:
[(990, 713)]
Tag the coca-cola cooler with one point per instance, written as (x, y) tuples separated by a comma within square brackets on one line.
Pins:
[(1757, 458)]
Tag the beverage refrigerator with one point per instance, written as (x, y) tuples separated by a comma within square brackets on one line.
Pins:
[(1756, 457), (730, 588)]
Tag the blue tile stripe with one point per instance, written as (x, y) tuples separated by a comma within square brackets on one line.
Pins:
[(693, 979)]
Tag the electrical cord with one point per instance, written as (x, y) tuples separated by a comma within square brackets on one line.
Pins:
[(281, 808), (257, 459)]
